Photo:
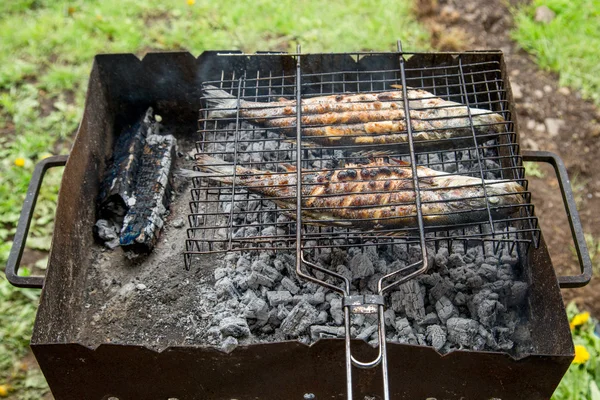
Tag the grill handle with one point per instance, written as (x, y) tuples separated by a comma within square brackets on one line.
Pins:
[(585, 263), (16, 252)]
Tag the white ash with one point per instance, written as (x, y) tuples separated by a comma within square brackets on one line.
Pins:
[(473, 297)]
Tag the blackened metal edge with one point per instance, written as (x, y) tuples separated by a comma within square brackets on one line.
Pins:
[(290, 368)]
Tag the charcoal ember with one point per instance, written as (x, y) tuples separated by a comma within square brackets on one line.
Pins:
[(229, 344), (282, 312), (503, 338), (389, 316), (106, 230), (152, 194), (373, 282), (289, 285), (314, 299), (461, 299), (440, 286), (488, 310), (257, 279), (518, 291), (462, 331), (279, 297), (120, 178), (429, 319), (445, 309), (405, 332), (336, 311), (234, 326), (367, 333), (225, 288), (436, 336), (441, 257), (322, 331), (257, 311), (361, 266), (344, 271), (409, 299), (299, 319), (489, 271)]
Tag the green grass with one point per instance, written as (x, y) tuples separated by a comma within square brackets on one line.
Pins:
[(568, 44), (582, 381), (46, 53)]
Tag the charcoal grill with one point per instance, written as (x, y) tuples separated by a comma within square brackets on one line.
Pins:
[(121, 86)]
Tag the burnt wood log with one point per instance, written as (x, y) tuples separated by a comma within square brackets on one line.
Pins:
[(151, 196)]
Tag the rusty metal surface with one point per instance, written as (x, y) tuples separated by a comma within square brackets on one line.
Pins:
[(288, 370), (122, 84)]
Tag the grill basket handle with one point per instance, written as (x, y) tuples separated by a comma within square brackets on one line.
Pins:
[(585, 263), (16, 252)]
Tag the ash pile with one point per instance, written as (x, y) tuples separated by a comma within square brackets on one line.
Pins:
[(473, 297)]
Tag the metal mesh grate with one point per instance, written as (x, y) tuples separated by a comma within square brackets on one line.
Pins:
[(227, 217)]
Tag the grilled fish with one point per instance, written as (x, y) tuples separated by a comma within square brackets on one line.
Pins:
[(374, 196), (359, 119)]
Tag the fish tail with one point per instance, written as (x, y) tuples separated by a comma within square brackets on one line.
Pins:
[(223, 104), (211, 168)]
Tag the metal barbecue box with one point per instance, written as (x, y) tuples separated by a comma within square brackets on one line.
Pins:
[(112, 325)]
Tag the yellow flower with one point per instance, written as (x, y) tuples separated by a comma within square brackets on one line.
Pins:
[(20, 162), (4, 390), (45, 155), (579, 319), (581, 354), (191, 2)]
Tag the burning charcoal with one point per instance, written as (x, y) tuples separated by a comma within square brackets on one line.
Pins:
[(409, 299), (279, 297), (373, 282), (460, 299), (229, 344), (272, 274), (257, 279), (440, 287), (243, 264), (336, 311), (430, 319), (273, 320), (367, 333), (106, 230), (489, 271), (345, 272), (220, 273), (313, 299), (151, 196), (358, 319), (405, 332), (462, 331), (225, 288), (234, 326), (299, 319), (488, 310), (289, 285), (322, 318), (320, 331), (282, 312), (257, 310), (121, 175), (445, 309), (361, 266), (389, 316), (518, 291)]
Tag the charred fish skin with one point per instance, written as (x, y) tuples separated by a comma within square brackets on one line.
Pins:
[(377, 195), (358, 119)]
